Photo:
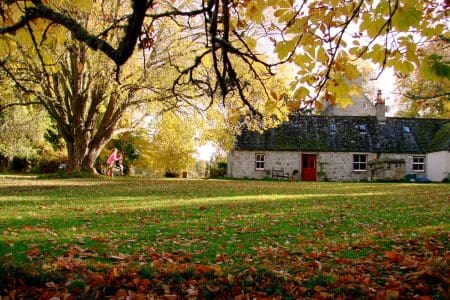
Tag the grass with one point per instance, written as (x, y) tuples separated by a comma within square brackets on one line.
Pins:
[(207, 218), (232, 223)]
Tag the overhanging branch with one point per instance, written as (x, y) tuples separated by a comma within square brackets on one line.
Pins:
[(429, 97)]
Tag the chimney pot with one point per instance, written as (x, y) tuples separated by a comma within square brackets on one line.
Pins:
[(379, 99), (380, 108)]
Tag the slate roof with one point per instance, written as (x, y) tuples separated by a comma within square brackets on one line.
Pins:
[(315, 133)]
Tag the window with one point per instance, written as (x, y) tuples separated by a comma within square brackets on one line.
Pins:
[(418, 164), (332, 128), (359, 162), (260, 159)]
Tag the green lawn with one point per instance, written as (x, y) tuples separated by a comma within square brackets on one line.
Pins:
[(306, 239)]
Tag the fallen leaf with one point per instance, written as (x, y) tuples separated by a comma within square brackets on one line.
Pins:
[(393, 256), (51, 285), (34, 252)]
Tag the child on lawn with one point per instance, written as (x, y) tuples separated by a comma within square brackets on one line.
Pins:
[(110, 162)]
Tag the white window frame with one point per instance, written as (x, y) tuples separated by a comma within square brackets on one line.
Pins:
[(260, 161), (418, 161), (360, 163)]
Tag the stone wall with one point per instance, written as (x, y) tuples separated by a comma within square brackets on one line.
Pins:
[(387, 169), (338, 166), (408, 158), (241, 164), (331, 166), (361, 106)]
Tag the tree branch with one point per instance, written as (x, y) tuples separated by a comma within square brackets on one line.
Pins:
[(119, 55), (6, 106), (423, 97)]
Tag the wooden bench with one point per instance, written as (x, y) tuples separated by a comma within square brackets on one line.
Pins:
[(277, 174)]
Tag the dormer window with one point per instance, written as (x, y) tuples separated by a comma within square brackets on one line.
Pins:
[(362, 128), (332, 128), (406, 129)]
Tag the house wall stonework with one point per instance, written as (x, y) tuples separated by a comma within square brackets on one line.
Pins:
[(408, 158), (331, 166), (338, 166), (242, 163), (387, 169), (361, 106)]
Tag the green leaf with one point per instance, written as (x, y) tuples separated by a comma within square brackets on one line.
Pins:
[(284, 48), (322, 55), (404, 67), (375, 27), (279, 12), (4, 48), (84, 5), (303, 60), (405, 18), (351, 72), (254, 13), (251, 43), (382, 7), (301, 93), (378, 54), (433, 68)]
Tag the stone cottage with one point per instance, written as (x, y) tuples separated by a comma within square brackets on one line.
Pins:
[(345, 148)]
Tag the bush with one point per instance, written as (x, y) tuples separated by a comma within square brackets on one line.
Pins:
[(219, 171), (222, 165), (47, 166), (19, 164), (172, 174)]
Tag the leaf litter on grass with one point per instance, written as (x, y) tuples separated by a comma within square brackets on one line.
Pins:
[(273, 247), (413, 269)]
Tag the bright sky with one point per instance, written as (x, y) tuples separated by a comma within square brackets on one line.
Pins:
[(386, 83), (205, 152)]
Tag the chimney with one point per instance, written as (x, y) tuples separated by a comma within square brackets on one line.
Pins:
[(380, 108)]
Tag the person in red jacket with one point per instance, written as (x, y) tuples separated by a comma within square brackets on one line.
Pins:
[(110, 162)]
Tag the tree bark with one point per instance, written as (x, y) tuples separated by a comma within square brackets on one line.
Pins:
[(73, 98)]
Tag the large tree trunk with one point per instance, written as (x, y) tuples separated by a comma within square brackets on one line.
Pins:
[(82, 152), (78, 153), (76, 109), (83, 101)]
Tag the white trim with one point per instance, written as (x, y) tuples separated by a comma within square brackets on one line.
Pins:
[(415, 163), (360, 163), (263, 161)]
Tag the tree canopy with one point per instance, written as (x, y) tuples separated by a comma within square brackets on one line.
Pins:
[(426, 92), (201, 54), (323, 38)]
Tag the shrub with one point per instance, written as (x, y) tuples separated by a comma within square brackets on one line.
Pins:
[(20, 164), (47, 166), (172, 174), (218, 171)]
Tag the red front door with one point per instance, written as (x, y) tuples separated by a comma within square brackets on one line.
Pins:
[(309, 167)]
